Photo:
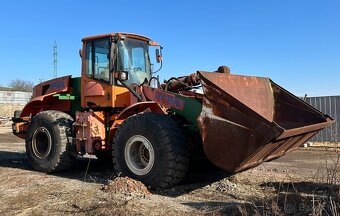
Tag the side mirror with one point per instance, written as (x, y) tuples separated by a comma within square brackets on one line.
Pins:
[(121, 75), (158, 56)]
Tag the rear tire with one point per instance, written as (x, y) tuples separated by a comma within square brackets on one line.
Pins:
[(49, 142), (152, 148)]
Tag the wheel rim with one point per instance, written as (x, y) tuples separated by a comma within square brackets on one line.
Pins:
[(139, 155), (41, 142)]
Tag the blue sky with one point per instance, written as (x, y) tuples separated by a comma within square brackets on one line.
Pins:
[(294, 42)]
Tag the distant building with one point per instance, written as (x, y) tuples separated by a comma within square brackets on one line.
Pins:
[(331, 106), (14, 97)]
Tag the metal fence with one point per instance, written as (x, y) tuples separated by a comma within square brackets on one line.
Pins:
[(331, 106), (14, 97)]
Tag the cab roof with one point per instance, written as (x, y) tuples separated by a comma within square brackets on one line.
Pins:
[(118, 34)]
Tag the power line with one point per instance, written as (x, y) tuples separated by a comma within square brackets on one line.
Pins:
[(55, 60)]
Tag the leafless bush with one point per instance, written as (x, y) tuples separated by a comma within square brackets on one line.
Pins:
[(21, 85), (333, 167)]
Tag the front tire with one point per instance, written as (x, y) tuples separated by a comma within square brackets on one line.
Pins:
[(49, 142), (152, 148)]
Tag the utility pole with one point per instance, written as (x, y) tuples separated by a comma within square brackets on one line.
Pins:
[(55, 60)]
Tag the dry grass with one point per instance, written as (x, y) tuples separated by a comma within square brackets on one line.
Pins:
[(319, 195)]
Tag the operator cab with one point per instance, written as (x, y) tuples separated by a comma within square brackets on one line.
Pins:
[(105, 56), (118, 52)]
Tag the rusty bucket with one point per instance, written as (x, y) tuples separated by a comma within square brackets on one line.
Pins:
[(247, 120)]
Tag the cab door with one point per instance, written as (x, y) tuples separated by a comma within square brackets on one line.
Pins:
[(97, 89)]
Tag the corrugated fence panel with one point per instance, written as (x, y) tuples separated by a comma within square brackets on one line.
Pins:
[(331, 106), (14, 97)]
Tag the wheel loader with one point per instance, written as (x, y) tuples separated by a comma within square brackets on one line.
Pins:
[(118, 110)]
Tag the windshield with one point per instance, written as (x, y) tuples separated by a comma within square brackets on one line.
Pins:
[(133, 57)]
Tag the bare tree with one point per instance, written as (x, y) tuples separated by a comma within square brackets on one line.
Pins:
[(21, 85)]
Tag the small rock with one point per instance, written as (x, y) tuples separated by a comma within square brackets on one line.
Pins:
[(104, 187), (75, 206)]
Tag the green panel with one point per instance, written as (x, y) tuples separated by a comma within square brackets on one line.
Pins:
[(191, 111), (64, 96), (76, 91), (74, 97)]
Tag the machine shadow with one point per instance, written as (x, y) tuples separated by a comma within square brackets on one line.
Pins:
[(96, 171), (83, 169), (200, 174), (14, 160)]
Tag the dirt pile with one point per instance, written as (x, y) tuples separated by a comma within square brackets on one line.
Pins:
[(126, 186)]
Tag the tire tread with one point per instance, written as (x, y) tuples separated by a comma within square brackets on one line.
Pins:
[(173, 142), (63, 121)]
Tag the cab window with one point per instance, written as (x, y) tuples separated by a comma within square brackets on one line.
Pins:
[(133, 57), (97, 59)]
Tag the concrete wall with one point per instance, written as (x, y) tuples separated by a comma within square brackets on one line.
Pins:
[(11, 101), (14, 97), (7, 110)]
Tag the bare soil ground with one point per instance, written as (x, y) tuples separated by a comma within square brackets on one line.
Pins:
[(302, 182)]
